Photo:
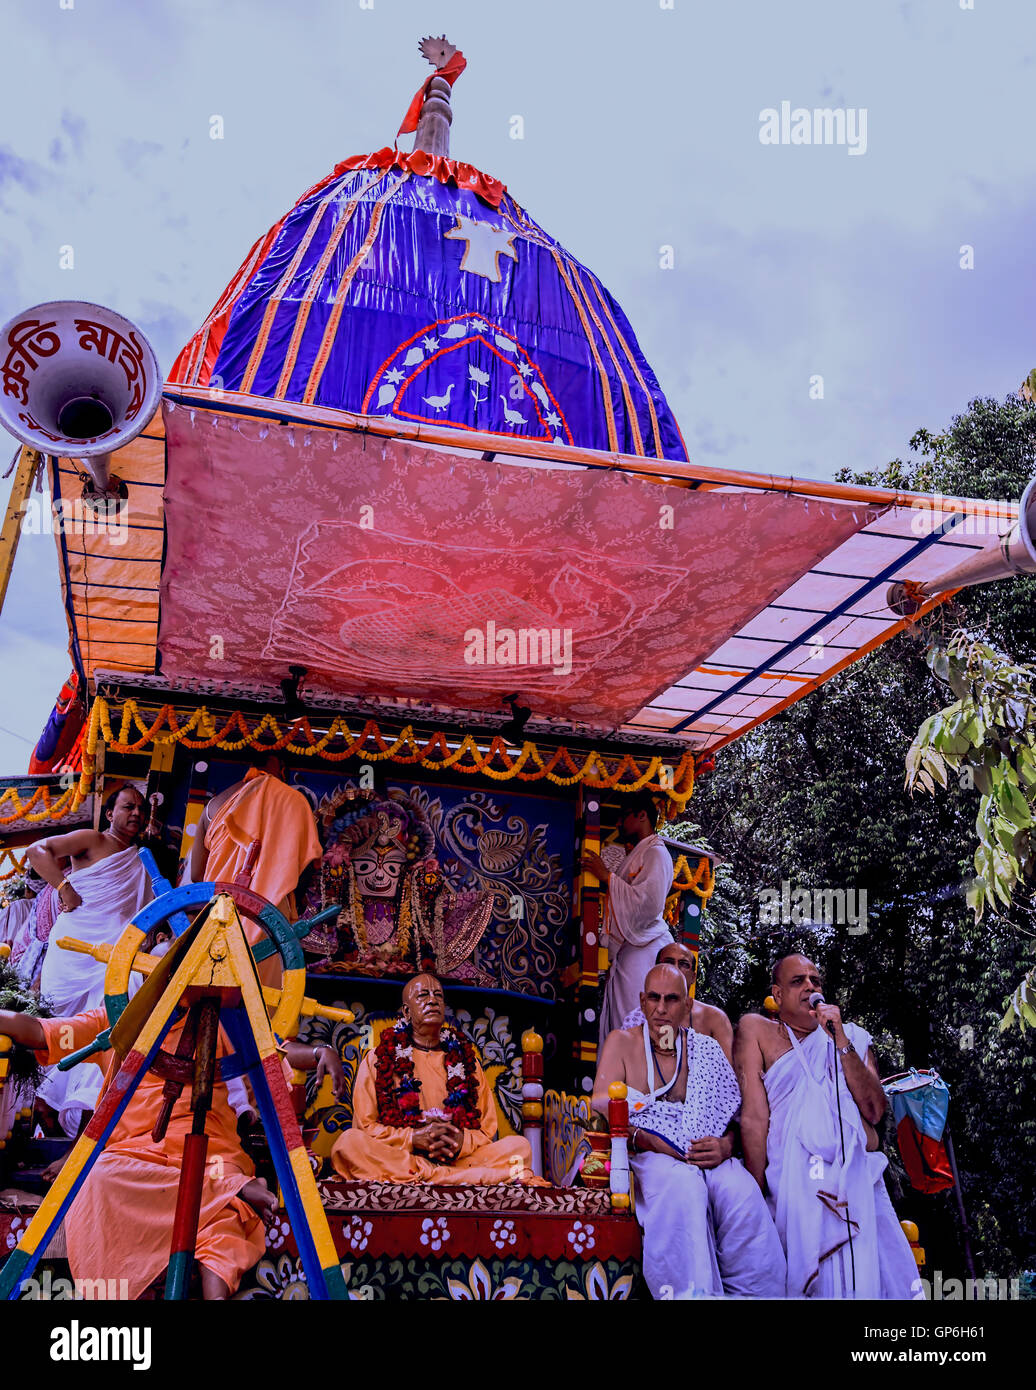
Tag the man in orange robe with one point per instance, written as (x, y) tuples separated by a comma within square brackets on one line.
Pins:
[(429, 1145), (261, 806), (119, 1226)]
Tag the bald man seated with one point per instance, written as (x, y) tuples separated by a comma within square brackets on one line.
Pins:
[(423, 1110), (707, 1231)]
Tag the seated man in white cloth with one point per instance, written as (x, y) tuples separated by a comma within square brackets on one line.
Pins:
[(105, 886), (733, 1193), (824, 1174), (682, 1094), (633, 922)]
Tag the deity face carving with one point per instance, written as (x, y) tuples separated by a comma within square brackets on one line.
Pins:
[(378, 868)]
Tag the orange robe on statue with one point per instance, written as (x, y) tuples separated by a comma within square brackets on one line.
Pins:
[(386, 1154), (121, 1222), (280, 817)]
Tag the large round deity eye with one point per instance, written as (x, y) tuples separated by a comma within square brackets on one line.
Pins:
[(365, 864), (393, 867)]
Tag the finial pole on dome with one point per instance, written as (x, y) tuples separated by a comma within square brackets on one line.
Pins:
[(430, 114)]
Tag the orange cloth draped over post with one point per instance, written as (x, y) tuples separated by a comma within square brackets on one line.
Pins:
[(280, 817), (385, 1154), (121, 1222), (450, 71)]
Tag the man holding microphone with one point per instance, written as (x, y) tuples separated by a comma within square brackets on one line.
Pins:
[(812, 1101)]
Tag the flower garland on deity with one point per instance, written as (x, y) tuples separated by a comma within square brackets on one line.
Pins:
[(399, 1092)]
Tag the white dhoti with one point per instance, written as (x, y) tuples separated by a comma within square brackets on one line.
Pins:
[(835, 1220), (113, 890), (634, 926), (748, 1249), (673, 1210), (707, 1231)]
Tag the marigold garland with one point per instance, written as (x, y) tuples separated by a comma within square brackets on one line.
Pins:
[(399, 1092), (18, 865), (404, 748), (497, 763), (700, 880)]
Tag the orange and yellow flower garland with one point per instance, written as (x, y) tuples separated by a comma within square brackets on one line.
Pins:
[(559, 767)]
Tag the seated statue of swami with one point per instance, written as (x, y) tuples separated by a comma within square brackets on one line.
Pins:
[(422, 1108)]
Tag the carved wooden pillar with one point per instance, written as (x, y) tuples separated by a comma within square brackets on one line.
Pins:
[(589, 914)]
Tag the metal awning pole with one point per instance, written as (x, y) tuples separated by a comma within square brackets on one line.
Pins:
[(10, 533)]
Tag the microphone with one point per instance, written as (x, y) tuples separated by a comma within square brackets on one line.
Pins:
[(817, 998)]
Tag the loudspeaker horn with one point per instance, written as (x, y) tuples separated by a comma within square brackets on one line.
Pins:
[(79, 381)]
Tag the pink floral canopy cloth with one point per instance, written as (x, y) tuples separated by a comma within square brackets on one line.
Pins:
[(395, 570)]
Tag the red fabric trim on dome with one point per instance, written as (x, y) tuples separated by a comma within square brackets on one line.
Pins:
[(435, 166)]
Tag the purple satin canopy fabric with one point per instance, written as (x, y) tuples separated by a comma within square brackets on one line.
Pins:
[(384, 292)]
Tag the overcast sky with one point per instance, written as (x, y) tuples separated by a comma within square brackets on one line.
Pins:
[(641, 131)]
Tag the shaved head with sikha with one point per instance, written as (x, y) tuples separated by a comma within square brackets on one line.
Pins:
[(664, 1003)]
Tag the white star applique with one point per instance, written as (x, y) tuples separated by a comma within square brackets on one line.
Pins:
[(553, 419), (485, 245), (394, 376), (430, 344), (525, 369)]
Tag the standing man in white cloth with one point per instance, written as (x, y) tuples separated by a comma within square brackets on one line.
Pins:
[(682, 1094), (812, 1099), (105, 886), (633, 922)]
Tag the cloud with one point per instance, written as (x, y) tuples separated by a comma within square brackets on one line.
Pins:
[(42, 665), (138, 156), (24, 173), (75, 128)]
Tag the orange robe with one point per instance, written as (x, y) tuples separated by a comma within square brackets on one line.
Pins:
[(121, 1222), (268, 810), (386, 1154)]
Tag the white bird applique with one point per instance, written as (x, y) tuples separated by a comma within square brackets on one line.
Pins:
[(439, 402), (513, 417)]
